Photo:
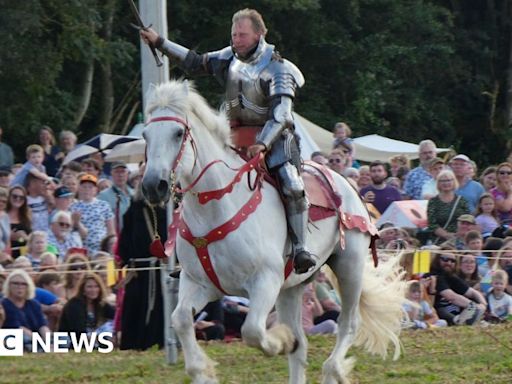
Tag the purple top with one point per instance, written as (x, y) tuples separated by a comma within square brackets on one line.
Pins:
[(505, 217), (383, 197)]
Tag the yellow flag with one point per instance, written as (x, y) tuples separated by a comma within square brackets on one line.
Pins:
[(111, 273), (421, 262)]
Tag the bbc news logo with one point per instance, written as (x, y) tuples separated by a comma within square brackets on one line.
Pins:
[(11, 342)]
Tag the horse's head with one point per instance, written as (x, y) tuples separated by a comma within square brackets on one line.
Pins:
[(167, 136)]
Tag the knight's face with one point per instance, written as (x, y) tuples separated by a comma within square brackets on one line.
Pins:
[(243, 37)]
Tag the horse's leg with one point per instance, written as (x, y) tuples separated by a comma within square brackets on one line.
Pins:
[(262, 295), (348, 265), (192, 297), (289, 310)]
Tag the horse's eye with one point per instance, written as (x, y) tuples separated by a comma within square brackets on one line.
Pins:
[(179, 134)]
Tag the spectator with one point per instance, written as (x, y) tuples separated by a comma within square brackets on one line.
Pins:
[(488, 178), (6, 153), (443, 209), (5, 223), (92, 167), (52, 154), (418, 309), (37, 244), (500, 303), (209, 322), (96, 214), (21, 310), (311, 308), (87, 311), (455, 301), (419, 175), (352, 175), (467, 270), (365, 178), (429, 189), (49, 262), (62, 235), (71, 183), (67, 141), (348, 150), (341, 134), (486, 214), (235, 312), (76, 267), (104, 184), (19, 217), (320, 158), (465, 223), (49, 287), (398, 162), (33, 165), (468, 188), (39, 201), (474, 242), (119, 195), (491, 250), (502, 193), (337, 161), (63, 200), (378, 193), (73, 168), (5, 176), (327, 298)]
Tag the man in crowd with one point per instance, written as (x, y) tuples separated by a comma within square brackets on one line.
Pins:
[(468, 188), (378, 192), (465, 223), (420, 175)]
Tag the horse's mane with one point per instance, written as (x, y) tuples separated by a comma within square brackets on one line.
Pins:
[(182, 97)]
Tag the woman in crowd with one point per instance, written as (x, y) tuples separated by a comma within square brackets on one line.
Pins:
[(52, 154), (5, 223), (364, 177), (62, 235), (444, 209), (76, 267), (96, 215), (502, 192), (87, 311), (467, 270), (20, 218), (488, 178), (21, 310)]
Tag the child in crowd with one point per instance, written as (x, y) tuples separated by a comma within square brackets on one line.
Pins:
[(474, 242), (418, 309), (34, 165), (499, 302), (486, 215), (341, 134)]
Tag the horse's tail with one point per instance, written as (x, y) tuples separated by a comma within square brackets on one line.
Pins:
[(380, 307)]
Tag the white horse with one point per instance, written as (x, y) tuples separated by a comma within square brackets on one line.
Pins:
[(184, 135)]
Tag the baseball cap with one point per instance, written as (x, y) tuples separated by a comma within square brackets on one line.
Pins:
[(461, 157), (90, 178), (62, 192), (118, 164), (467, 218)]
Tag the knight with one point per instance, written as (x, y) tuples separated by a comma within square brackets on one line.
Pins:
[(260, 90)]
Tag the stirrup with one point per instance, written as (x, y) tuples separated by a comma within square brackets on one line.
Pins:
[(303, 262)]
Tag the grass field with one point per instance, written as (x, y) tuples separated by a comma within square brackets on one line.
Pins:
[(455, 355)]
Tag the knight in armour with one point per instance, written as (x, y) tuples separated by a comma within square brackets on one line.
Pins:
[(260, 89)]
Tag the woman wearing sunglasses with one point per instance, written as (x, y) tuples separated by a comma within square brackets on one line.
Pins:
[(62, 235), (502, 192), (20, 218)]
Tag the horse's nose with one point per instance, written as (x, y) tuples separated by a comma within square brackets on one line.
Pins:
[(155, 193), (162, 188)]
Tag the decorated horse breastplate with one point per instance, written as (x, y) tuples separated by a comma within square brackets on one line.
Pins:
[(246, 91)]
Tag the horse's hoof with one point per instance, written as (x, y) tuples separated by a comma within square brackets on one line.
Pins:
[(303, 262)]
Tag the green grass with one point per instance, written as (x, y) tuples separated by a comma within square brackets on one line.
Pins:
[(448, 356)]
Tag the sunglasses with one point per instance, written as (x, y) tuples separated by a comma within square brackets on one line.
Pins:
[(337, 161), (445, 180), (64, 225), (18, 197), (502, 173), (448, 259), (78, 268), (19, 284)]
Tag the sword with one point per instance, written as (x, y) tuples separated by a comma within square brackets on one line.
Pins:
[(140, 25)]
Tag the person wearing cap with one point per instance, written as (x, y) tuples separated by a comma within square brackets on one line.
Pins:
[(119, 195), (429, 189), (5, 177), (419, 175), (444, 209), (465, 223), (96, 214), (63, 200), (468, 188), (502, 192)]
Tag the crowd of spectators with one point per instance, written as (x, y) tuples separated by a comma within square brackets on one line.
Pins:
[(59, 224)]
